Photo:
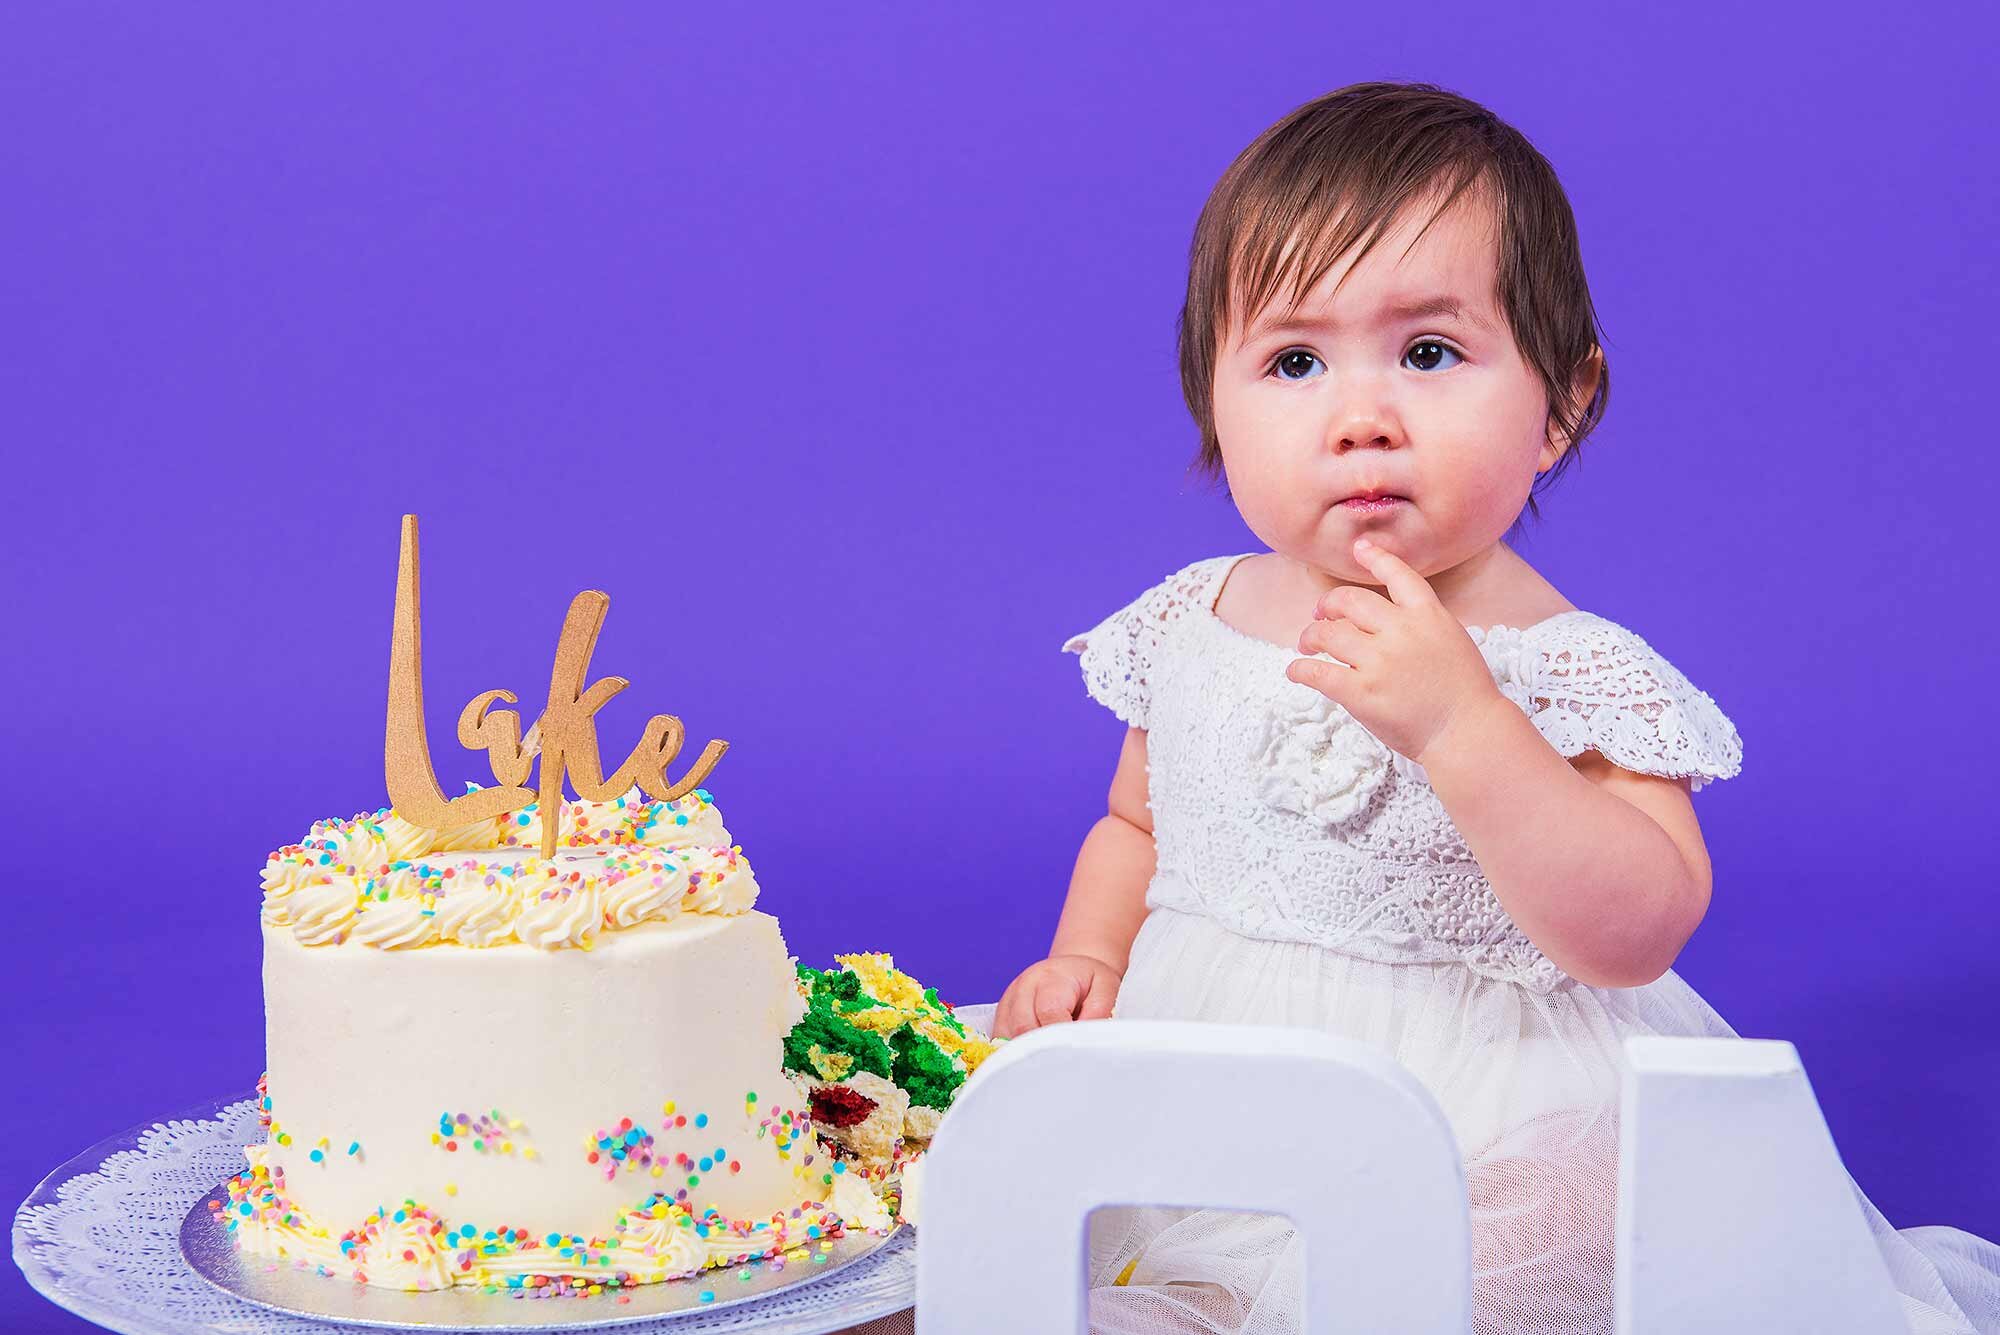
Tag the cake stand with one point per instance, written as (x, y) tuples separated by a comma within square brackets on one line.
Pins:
[(102, 1236)]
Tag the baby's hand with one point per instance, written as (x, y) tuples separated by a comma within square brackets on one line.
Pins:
[(1413, 666), (1059, 988)]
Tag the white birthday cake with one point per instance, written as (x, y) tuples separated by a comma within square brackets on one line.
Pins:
[(487, 1067)]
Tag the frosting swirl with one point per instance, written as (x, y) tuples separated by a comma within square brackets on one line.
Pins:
[(395, 924), (568, 915), (321, 913), (661, 1246), (483, 919), (859, 1204), (719, 881), (655, 894), (405, 1250)]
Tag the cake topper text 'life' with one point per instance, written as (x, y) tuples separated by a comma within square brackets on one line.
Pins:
[(565, 734)]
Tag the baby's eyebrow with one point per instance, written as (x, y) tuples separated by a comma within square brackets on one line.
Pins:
[(1428, 306)]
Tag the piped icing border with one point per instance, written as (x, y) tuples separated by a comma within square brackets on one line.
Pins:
[(659, 1239), (377, 880)]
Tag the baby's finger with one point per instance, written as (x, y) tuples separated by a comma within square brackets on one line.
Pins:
[(1405, 585), (1055, 1001), (1350, 602), (1343, 639), (1006, 1015), (1330, 679), (1018, 1006), (1098, 1000)]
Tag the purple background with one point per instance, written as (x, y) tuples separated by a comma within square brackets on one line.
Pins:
[(839, 351)]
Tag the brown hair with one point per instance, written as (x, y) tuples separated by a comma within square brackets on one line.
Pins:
[(1345, 165)]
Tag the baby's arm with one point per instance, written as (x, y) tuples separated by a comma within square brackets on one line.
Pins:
[(1106, 904), (1603, 868)]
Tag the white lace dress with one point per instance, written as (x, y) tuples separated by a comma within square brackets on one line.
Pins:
[(1308, 875)]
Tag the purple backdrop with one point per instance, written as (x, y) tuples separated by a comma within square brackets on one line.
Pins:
[(839, 351)]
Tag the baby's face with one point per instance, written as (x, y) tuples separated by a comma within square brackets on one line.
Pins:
[(1439, 410)]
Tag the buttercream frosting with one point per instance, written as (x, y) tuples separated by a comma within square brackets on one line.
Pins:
[(377, 880)]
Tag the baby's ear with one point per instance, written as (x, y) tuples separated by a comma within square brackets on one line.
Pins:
[(1588, 375), (1554, 445), (1583, 387)]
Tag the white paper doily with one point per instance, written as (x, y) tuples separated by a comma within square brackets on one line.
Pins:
[(101, 1237)]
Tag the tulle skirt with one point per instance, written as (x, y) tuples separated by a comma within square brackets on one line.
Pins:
[(1530, 1083)]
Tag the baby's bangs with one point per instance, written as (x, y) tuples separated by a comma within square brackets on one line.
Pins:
[(1333, 218)]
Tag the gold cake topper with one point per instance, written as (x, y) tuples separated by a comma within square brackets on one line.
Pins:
[(565, 733)]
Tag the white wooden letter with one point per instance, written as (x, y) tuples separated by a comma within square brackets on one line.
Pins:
[(1065, 1119), (1735, 1214)]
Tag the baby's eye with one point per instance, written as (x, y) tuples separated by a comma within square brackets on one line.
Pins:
[(1430, 348), (1291, 357)]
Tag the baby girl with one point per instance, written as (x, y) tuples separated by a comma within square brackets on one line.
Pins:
[(1384, 779)]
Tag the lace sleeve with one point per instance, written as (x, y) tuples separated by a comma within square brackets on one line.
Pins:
[(1120, 654), (1600, 687)]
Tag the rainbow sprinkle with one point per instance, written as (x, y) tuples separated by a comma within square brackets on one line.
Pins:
[(491, 1132)]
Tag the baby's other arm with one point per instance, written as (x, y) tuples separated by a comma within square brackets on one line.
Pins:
[(1106, 905)]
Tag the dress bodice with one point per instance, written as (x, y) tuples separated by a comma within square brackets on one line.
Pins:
[(1276, 813)]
